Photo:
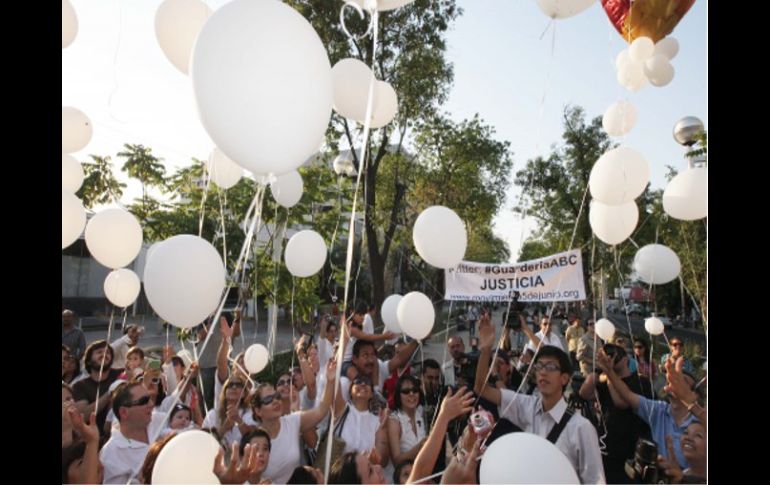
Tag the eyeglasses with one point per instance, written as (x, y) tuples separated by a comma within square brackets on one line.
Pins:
[(550, 367), (264, 401), (142, 401), (410, 390), (676, 344), (361, 382), (234, 384), (283, 382)]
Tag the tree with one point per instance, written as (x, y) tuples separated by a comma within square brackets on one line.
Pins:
[(142, 165), (99, 184)]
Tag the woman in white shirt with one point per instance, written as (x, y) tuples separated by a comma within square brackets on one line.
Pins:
[(229, 413), (406, 426), (354, 423), (284, 430)]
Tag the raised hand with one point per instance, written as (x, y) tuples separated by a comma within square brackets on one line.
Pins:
[(90, 431), (462, 468), (455, 405), (670, 466), (486, 332), (239, 469)]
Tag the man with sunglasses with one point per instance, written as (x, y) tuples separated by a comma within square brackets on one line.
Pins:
[(623, 427), (545, 415), (123, 455)]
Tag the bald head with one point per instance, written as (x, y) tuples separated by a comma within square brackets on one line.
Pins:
[(456, 346)]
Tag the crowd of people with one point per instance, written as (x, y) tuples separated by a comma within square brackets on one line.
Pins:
[(384, 416)]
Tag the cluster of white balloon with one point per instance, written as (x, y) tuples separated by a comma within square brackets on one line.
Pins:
[(351, 79), (76, 132), (645, 61)]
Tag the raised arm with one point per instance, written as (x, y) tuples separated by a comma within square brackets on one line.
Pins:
[(403, 356), (310, 418), (486, 339), (622, 396), (223, 369)]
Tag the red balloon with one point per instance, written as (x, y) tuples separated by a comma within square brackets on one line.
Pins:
[(645, 18)]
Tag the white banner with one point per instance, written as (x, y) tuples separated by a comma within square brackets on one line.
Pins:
[(554, 278)]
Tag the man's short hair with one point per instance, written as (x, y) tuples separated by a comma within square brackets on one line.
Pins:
[(68, 313), (550, 351), (360, 344), (122, 396), (93, 347), (430, 364), (246, 439), (456, 336), (361, 308), (129, 327)]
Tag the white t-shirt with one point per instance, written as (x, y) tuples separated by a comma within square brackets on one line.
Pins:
[(232, 436), (359, 430), (325, 349), (551, 339), (384, 374), (285, 452), (368, 324)]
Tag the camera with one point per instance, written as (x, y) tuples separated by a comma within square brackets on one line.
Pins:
[(643, 468), (511, 318)]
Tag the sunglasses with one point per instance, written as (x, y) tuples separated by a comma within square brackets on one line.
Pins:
[(264, 401), (361, 382), (234, 384), (283, 382), (676, 344), (410, 390), (142, 401)]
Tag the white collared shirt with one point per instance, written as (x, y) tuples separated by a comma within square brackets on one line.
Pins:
[(578, 440), (120, 348), (123, 458), (551, 339)]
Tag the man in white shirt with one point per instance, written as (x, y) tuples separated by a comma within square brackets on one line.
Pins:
[(123, 455), (541, 414), (366, 362), (546, 335), (121, 346)]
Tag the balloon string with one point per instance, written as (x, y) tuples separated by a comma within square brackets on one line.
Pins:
[(104, 356), (202, 211)]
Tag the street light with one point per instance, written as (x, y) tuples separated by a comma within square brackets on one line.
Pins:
[(686, 133)]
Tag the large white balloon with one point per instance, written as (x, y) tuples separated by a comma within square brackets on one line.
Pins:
[(686, 195), (668, 47), (69, 24), (71, 173), (350, 79), (122, 287), (561, 9), (630, 75), (114, 237), (657, 264), (76, 129), (620, 175), (224, 172), (389, 312), (613, 224), (383, 5), (177, 25), (184, 279), (605, 329), (385, 104), (654, 326), (187, 458), (619, 118), (287, 188), (537, 460), (263, 84), (641, 49), (439, 236), (416, 315), (658, 70), (256, 358), (73, 218), (305, 253)]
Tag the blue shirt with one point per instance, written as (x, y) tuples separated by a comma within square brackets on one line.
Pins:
[(658, 415)]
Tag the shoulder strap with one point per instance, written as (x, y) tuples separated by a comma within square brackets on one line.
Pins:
[(556, 431), (339, 424)]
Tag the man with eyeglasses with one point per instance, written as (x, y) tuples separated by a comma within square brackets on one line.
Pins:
[(546, 335), (123, 455), (546, 415)]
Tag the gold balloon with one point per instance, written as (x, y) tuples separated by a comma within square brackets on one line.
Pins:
[(645, 18)]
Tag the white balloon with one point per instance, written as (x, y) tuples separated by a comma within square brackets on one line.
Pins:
[(654, 326), (613, 224), (561, 9), (619, 176), (439, 236), (69, 23), (71, 173), (256, 358), (641, 49), (76, 130), (350, 80), (177, 25), (184, 279), (114, 237), (619, 118), (343, 163), (263, 85), (385, 104), (305, 253), (187, 458), (631, 75), (224, 172), (383, 5), (657, 264), (287, 188), (73, 218), (621, 58), (605, 329), (389, 312), (668, 47), (537, 461), (658, 70), (122, 287), (416, 315), (686, 195)]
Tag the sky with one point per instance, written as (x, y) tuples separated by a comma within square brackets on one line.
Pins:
[(513, 66)]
